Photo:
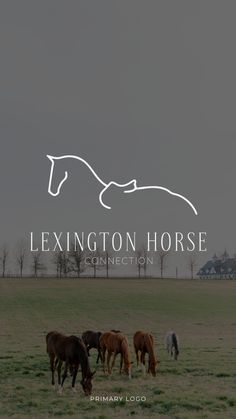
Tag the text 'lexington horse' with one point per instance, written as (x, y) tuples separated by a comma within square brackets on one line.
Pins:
[(70, 350), (128, 187)]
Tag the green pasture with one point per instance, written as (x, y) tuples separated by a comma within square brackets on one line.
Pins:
[(201, 384)]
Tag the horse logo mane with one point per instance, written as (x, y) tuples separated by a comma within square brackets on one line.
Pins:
[(128, 187)]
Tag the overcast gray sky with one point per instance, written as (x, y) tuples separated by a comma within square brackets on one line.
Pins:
[(140, 89)]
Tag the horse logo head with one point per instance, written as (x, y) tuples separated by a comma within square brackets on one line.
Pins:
[(52, 160)]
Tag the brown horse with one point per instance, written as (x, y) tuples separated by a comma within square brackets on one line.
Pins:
[(144, 343), (91, 340), (72, 351), (115, 343)]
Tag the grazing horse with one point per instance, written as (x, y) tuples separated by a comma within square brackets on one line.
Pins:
[(115, 343), (91, 340), (172, 344), (144, 343), (72, 351)]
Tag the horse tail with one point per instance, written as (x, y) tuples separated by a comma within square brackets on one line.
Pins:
[(102, 342), (125, 351), (84, 337), (124, 346), (50, 340), (99, 334), (175, 343), (148, 339)]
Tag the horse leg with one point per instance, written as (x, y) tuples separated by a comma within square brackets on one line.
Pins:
[(99, 355), (74, 378), (88, 348), (143, 363), (113, 361), (103, 359), (137, 356), (71, 368), (59, 372), (108, 362), (121, 363), (63, 377), (52, 367)]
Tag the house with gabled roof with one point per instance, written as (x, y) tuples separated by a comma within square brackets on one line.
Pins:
[(219, 267)]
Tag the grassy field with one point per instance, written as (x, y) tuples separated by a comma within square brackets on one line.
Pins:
[(202, 384)]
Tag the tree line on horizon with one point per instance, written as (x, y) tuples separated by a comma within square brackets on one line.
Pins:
[(76, 262)]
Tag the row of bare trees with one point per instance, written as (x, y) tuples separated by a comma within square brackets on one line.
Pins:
[(76, 262), (66, 263), (18, 257)]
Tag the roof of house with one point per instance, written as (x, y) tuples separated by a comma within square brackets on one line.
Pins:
[(219, 267)]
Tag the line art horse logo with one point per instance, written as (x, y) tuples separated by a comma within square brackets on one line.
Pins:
[(128, 187)]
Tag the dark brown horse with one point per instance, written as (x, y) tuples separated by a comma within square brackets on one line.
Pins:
[(144, 343), (91, 340), (115, 343), (70, 350)]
